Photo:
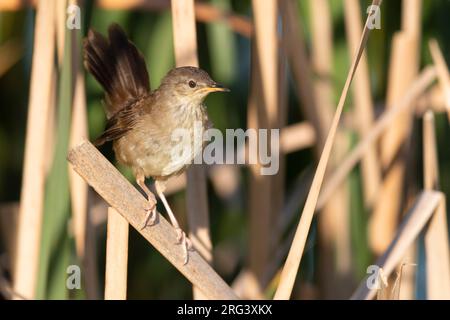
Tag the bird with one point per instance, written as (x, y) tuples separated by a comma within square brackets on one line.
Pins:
[(141, 122)]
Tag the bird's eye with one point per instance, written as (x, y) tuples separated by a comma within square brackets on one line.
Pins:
[(192, 84)]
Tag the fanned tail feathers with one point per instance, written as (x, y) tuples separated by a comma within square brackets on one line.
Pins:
[(118, 66)]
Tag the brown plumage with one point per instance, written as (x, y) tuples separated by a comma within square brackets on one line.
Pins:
[(142, 123)]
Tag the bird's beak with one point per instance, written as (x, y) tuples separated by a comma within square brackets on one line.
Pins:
[(216, 87)]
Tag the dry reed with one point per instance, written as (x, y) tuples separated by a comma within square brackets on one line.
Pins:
[(334, 222), (32, 193), (364, 110), (404, 66), (417, 88), (292, 263), (275, 43), (90, 164), (436, 234), (417, 217), (266, 83), (116, 257), (443, 73)]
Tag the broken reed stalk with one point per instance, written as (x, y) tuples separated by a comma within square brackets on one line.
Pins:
[(262, 187), (32, 193), (443, 73), (116, 256), (404, 66), (417, 89), (95, 169), (397, 180), (292, 263), (185, 45), (393, 147), (436, 235), (413, 223), (363, 105)]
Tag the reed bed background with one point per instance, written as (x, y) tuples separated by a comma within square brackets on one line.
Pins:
[(364, 154)]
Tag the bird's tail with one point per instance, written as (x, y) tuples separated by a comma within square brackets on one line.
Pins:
[(118, 66)]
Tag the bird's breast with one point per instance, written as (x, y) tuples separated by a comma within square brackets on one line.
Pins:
[(164, 144), (186, 138)]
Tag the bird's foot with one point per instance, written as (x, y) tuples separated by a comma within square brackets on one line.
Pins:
[(150, 216), (150, 212), (185, 243)]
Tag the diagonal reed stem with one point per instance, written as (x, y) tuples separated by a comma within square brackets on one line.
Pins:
[(292, 264), (415, 220), (90, 164)]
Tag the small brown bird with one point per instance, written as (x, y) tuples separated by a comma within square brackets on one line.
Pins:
[(141, 122)]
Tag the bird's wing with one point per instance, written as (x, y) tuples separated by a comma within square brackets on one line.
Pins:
[(121, 122)]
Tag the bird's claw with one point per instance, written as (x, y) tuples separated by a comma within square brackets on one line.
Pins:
[(180, 234), (150, 216), (185, 243)]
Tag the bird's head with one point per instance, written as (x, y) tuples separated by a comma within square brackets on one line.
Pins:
[(190, 84)]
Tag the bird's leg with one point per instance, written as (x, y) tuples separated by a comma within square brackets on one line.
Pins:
[(150, 216), (181, 235)]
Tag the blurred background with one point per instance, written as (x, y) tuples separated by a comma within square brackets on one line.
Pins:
[(251, 226)]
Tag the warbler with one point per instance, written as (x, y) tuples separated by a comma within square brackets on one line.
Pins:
[(141, 122)]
